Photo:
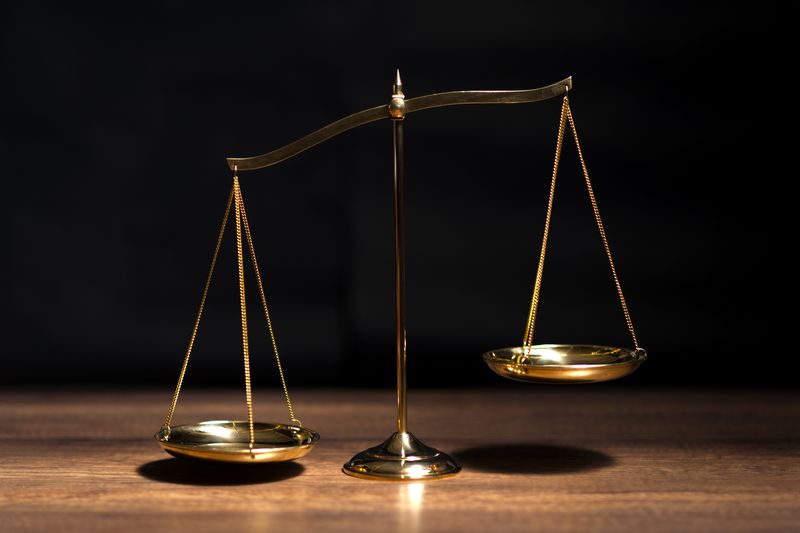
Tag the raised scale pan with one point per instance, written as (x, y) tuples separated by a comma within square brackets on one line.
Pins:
[(564, 363), (229, 441)]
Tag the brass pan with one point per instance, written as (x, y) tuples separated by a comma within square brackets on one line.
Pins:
[(229, 441), (564, 363)]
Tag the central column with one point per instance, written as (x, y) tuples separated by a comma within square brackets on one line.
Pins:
[(397, 111), (401, 457)]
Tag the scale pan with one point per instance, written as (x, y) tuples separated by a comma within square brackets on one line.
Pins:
[(564, 363), (229, 441)]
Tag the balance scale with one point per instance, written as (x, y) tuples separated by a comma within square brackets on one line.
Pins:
[(402, 457)]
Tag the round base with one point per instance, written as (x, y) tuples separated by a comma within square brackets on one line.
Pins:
[(564, 363), (401, 458), (229, 441)]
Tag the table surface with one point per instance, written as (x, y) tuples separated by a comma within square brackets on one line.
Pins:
[(534, 459)]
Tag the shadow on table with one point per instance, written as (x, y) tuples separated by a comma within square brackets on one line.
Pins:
[(532, 459), (188, 472)]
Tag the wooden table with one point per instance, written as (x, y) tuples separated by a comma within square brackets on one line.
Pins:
[(535, 459)]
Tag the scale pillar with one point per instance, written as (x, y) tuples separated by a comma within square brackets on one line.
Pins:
[(402, 457), (397, 110)]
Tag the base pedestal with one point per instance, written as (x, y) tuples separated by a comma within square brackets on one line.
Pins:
[(401, 458)]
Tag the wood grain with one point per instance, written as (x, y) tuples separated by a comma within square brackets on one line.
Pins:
[(534, 458)]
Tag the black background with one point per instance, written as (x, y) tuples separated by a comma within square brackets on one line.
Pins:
[(116, 122)]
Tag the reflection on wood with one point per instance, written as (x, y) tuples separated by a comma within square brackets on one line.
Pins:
[(534, 458)]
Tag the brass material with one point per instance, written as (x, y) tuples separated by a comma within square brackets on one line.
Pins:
[(524, 96), (411, 105), (400, 273), (397, 86), (397, 108), (168, 421), (402, 457), (222, 440), (397, 105), (567, 363), (262, 293), (566, 116), (529, 327), (248, 392), (312, 139), (234, 441), (564, 363), (601, 229)]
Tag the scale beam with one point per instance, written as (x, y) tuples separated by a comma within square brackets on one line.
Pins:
[(419, 103)]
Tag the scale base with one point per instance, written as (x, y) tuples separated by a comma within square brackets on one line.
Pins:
[(402, 457)]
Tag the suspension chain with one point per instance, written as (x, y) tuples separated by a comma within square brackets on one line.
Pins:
[(601, 228), (235, 197), (248, 392), (528, 339), (262, 293), (171, 412)]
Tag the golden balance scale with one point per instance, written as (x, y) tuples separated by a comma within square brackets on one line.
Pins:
[(402, 457)]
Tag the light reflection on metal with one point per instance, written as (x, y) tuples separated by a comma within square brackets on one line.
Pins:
[(564, 363), (403, 457), (412, 105)]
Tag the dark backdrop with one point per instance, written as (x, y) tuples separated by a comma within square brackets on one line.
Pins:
[(116, 121)]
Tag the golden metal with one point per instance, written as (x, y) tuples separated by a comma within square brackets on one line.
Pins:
[(411, 105), (223, 440), (248, 392), (566, 115), (402, 457), (233, 441), (272, 338), (567, 363), (397, 105), (528, 337), (564, 363), (602, 230), (193, 336), (398, 160)]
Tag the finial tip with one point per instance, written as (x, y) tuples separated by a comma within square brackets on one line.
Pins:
[(397, 86)]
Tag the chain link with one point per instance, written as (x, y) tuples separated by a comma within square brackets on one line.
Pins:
[(601, 228), (528, 339), (171, 412), (248, 391), (236, 199), (262, 293)]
